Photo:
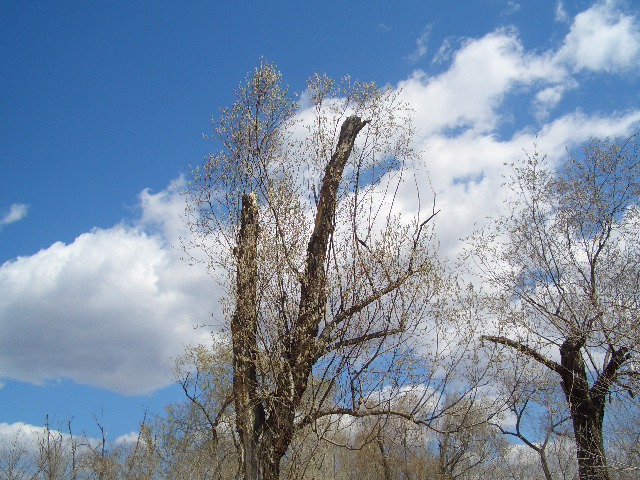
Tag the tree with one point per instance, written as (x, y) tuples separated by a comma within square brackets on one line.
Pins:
[(622, 433), (326, 279), (541, 417), (15, 461), (564, 267), (466, 442)]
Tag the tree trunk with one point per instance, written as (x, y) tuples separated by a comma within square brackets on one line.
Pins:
[(587, 412), (384, 458), (244, 324), (545, 464), (585, 404), (265, 436)]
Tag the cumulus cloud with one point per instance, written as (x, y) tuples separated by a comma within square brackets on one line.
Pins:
[(111, 309), (127, 439), (482, 72), (602, 39), (22, 441), (17, 212), (21, 431), (460, 113)]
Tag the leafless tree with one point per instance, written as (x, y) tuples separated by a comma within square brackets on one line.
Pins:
[(622, 432), (329, 283), (563, 267), (541, 418), (16, 462), (466, 441)]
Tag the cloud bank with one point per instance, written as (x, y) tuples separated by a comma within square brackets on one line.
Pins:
[(465, 115), (111, 309)]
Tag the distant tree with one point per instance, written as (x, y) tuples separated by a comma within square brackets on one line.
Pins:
[(16, 463), (467, 444), (622, 434), (328, 281), (564, 264)]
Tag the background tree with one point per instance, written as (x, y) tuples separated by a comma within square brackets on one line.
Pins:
[(328, 280), (564, 263), (467, 444), (540, 416), (622, 433), (194, 438), (16, 462)]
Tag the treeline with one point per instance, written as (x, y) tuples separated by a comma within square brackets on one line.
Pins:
[(180, 445)]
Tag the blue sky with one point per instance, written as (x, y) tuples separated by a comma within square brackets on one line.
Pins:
[(103, 108)]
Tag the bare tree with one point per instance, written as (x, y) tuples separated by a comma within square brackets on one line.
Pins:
[(466, 441), (563, 264), (16, 462), (541, 416), (327, 280), (622, 432)]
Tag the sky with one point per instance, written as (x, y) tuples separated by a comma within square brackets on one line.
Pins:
[(106, 105)]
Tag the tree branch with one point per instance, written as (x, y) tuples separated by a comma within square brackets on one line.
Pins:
[(325, 336), (601, 387), (313, 293), (355, 341), (526, 350), (213, 422)]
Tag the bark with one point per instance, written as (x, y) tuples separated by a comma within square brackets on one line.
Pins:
[(250, 415), (587, 412), (266, 425), (384, 459)]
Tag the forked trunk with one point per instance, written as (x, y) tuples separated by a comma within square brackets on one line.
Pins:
[(265, 436)]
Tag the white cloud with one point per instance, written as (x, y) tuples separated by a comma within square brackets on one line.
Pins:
[(17, 212), (18, 428), (111, 309), (422, 45), (602, 39), (469, 93), (466, 171), (127, 438), (547, 99), (512, 7), (483, 71), (22, 441), (445, 51), (561, 14), (459, 114)]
